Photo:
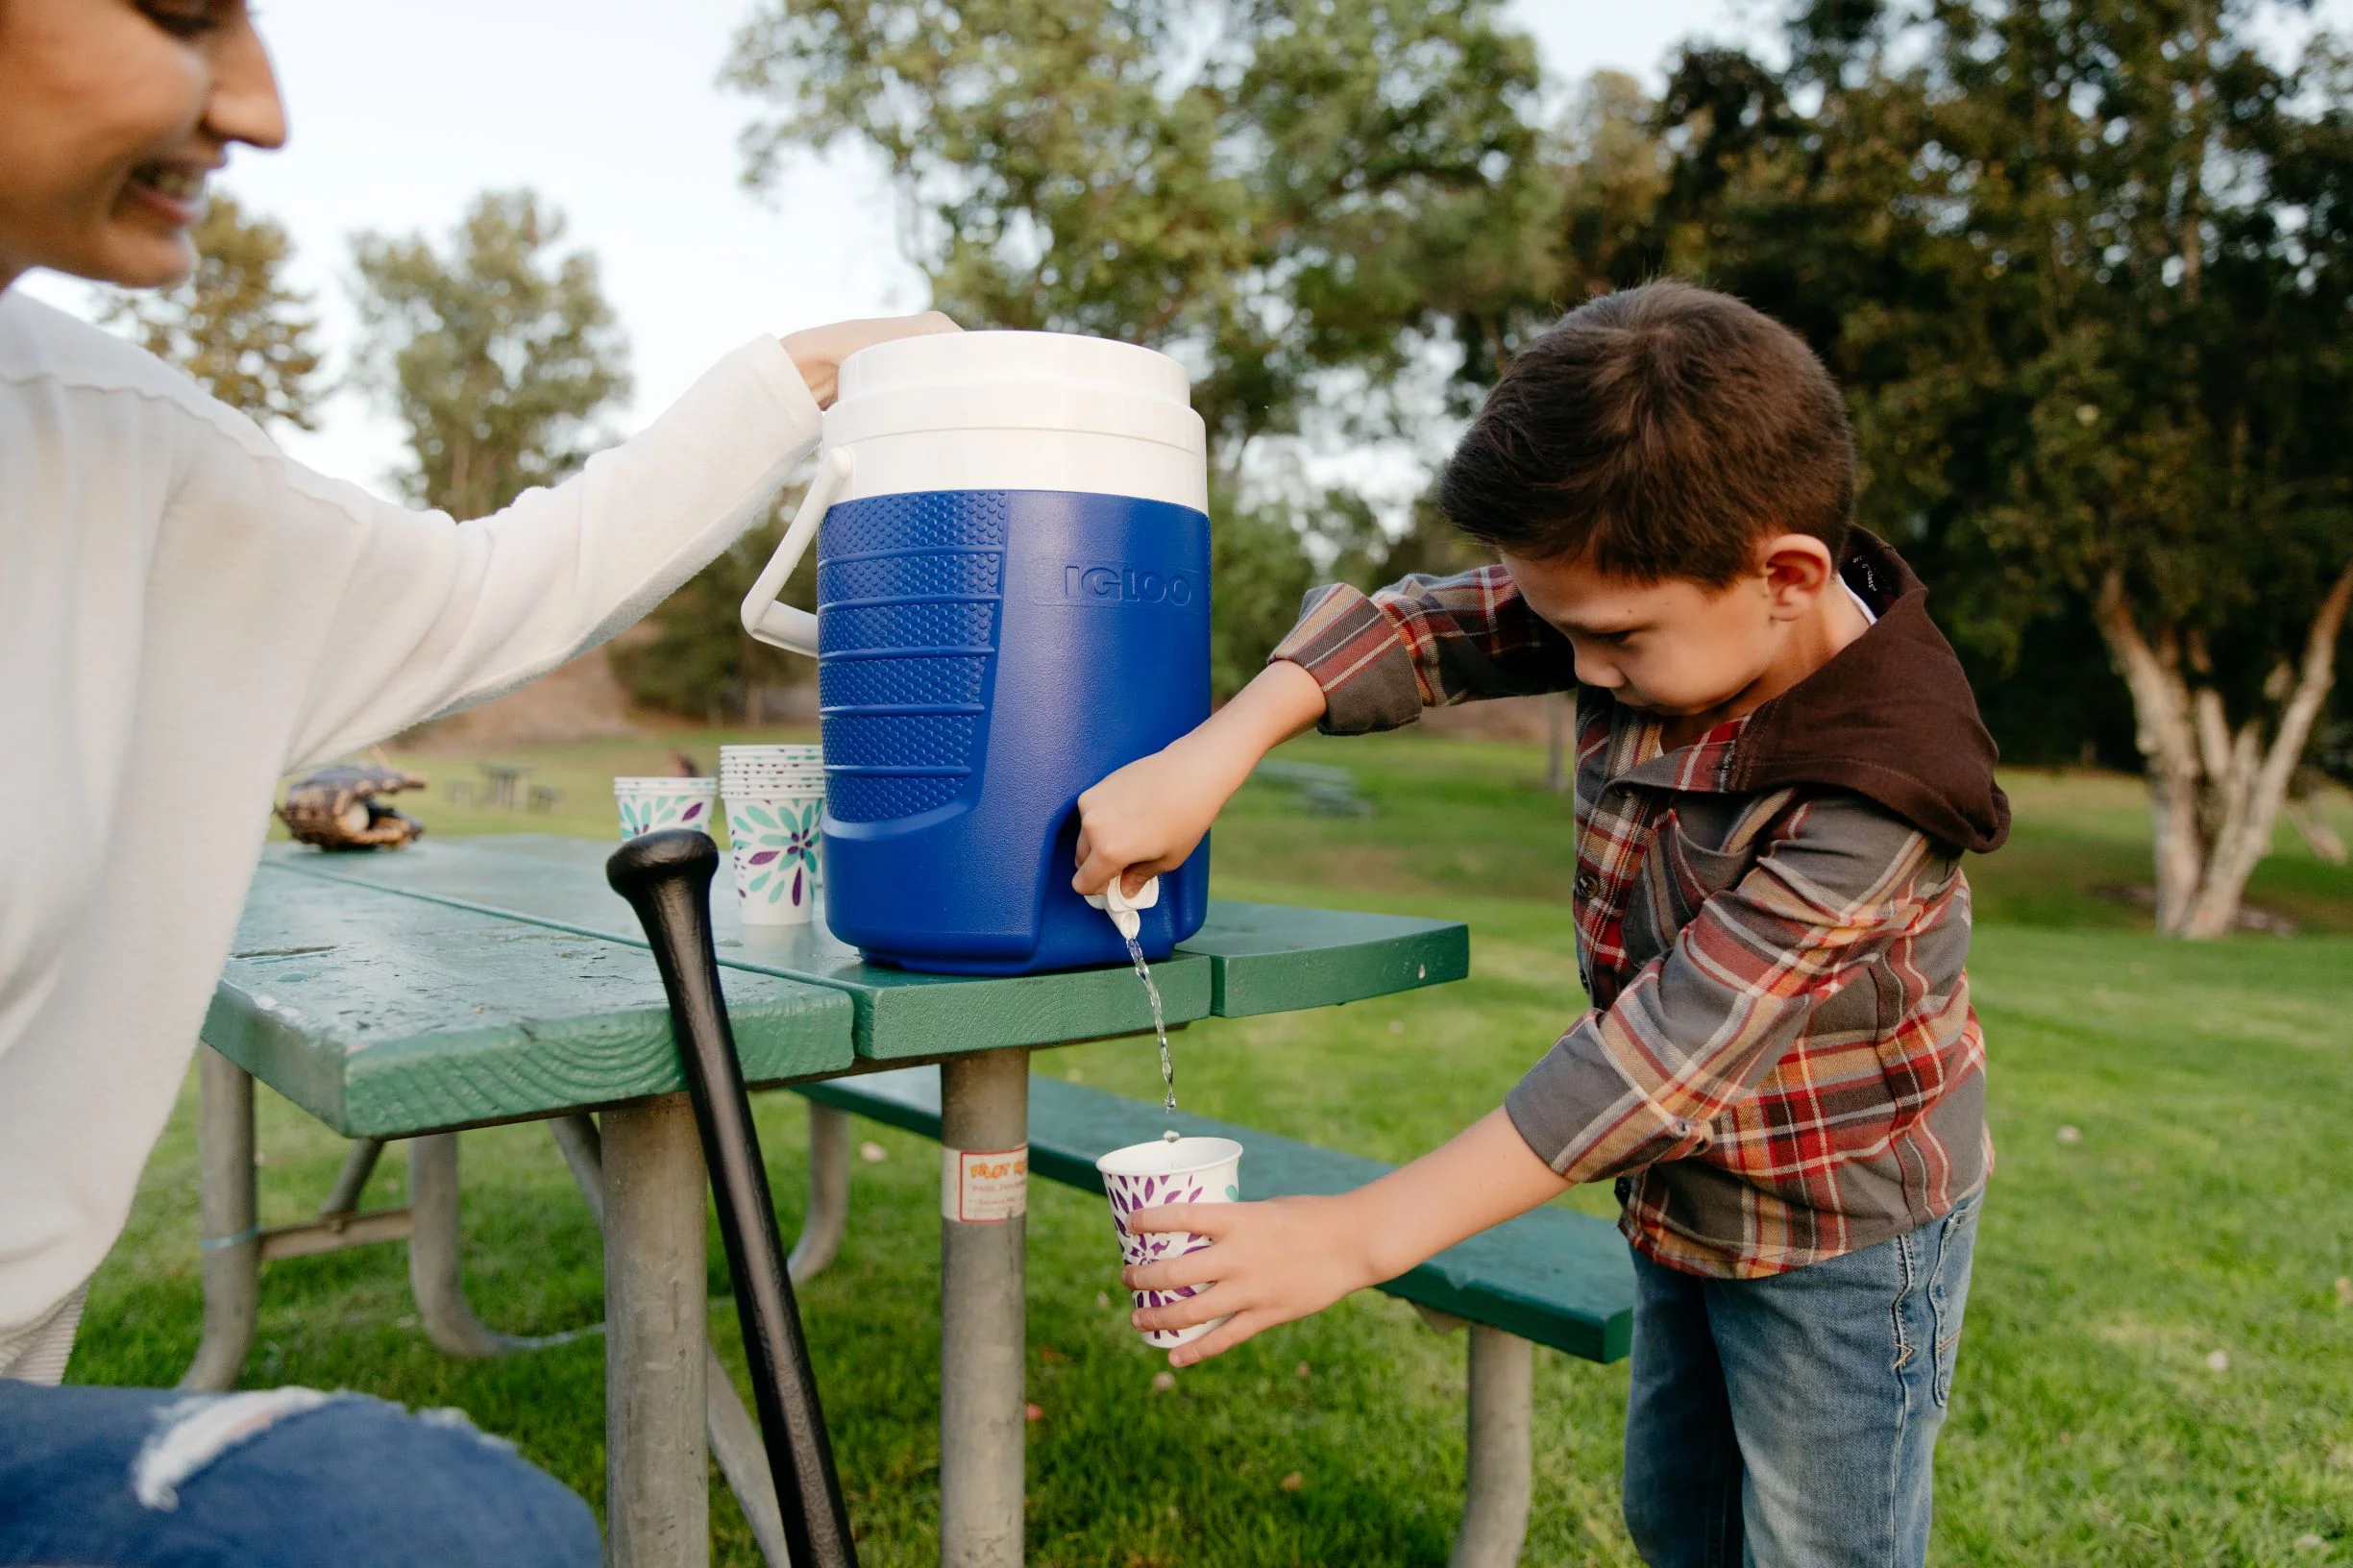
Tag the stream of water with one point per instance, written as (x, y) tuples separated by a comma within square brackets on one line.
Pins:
[(1160, 1027)]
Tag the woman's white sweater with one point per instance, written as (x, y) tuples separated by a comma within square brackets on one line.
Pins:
[(184, 616)]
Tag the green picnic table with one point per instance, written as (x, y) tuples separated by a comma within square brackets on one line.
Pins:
[(461, 983)]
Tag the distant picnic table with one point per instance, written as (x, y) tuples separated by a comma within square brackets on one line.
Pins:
[(504, 787)]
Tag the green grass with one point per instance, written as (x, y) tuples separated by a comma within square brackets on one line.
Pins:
[(2203, 1208)]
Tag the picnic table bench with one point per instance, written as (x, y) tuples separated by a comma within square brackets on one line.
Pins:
[(1551, 1276), (469, 982)]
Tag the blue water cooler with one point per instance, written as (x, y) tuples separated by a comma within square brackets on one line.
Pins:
[(1013, 592)]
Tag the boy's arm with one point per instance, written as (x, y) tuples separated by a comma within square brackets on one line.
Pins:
[(1353, 663), (1289, 1258), (1840, 882), (1424, 643), (1147, 816), (1627, 1088)]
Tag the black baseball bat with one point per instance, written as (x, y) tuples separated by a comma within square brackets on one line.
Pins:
[(666, 877)]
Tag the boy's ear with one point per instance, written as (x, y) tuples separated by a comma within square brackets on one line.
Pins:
[(1797, 569)]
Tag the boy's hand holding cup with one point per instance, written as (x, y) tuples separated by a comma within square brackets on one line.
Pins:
[(1266, 1264)]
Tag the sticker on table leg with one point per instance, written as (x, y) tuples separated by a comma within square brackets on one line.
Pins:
[(983, 1186)]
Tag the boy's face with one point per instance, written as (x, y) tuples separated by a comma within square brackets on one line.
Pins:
[(1678, 648)]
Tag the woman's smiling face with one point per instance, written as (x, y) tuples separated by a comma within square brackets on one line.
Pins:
[(112, 112)]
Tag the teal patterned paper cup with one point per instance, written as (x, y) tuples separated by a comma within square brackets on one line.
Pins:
[(774, 836), (746, 770), (783, 751), (650, 804), (1166, 1171)]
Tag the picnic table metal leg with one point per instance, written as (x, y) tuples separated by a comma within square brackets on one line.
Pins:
[(735, 1437), (983, 1107), (435, 1246), (1502, 1449), (358, 1165), (827, 1220), (231, 1256), (657, 1352)]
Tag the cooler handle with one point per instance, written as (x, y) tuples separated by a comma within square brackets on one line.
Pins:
[(781, 626)]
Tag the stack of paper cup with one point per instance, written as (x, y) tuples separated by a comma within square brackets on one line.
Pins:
[(648, 804), (775, 798), (1168, 1171)]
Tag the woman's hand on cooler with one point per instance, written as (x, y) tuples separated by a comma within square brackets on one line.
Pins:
[(1271, 1262), (1147, 816), (818, 351)]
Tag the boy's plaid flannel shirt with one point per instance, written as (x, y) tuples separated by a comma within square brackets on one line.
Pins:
[(1780, 1063)]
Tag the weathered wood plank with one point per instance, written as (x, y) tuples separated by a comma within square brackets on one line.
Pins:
[(1260, 958), (386, 1016), (900, 1015), (1277, 958)]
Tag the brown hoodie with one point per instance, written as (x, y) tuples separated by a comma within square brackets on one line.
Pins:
[(1891, 717)]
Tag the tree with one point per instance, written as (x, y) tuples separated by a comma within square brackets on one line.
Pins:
[(235, 326), (1299, 201), (2085, 269), (498, 353)]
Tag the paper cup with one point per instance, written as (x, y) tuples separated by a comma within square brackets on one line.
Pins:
[(1148, 1175), (755, 761), (764, 749), (784, 784), (773, 834), (648, 804)]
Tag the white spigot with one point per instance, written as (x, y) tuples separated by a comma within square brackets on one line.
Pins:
[(1121, 905)]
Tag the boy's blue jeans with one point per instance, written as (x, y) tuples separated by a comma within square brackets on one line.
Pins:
[(1791, 1421), (142, 1478)]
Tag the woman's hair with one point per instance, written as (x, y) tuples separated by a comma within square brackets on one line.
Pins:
[(1654, 433)]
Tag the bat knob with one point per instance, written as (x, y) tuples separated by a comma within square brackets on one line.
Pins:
[(652, 863)]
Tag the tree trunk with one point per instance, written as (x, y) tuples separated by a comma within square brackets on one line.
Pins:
[(2303, 812), (2215, 792), (2167, 736), (2260, 777)]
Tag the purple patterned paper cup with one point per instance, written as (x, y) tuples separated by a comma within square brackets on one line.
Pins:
[(648, 804), (1148, 1175)]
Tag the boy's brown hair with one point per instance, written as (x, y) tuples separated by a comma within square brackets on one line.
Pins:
[(1654, 433)]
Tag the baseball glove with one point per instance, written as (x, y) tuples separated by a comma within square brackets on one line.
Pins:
[(337, 808)]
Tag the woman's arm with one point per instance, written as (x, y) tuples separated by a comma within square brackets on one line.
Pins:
[(430, 616)]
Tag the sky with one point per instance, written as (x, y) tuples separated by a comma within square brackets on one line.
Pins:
[(609, 109)]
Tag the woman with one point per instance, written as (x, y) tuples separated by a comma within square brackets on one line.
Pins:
[(182, 607)]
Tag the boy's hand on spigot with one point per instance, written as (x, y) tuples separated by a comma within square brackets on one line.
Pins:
[(1147, 816), (1273, 1261), (818, 352)]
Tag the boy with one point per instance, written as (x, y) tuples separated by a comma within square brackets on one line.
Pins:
[(1778, 765)]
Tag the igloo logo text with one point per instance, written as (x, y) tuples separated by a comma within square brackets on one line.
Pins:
[(1108, 585)]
